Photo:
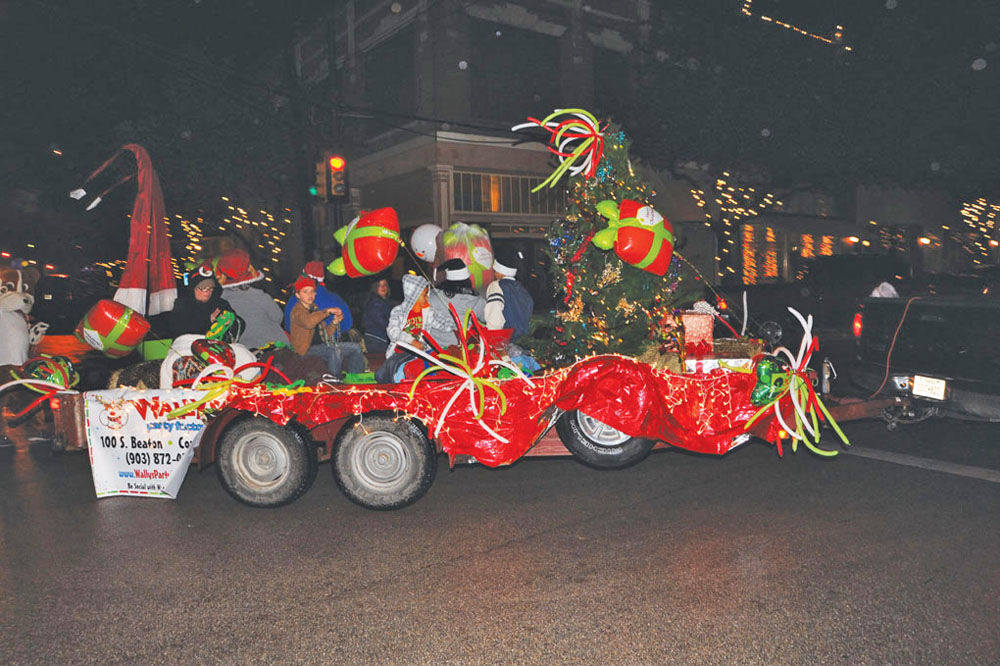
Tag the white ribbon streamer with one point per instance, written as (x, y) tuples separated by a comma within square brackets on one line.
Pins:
[(468, 385)]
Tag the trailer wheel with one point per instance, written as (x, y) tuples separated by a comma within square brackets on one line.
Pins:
[(383, 462), (265, 465), (597, 444)]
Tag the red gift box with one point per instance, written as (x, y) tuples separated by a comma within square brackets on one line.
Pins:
[(112, 328), (697, 332)]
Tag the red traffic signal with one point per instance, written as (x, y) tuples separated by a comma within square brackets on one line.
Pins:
[(338, 175)]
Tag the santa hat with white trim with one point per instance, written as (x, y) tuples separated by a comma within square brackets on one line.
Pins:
[(314, 270), (234, 269)]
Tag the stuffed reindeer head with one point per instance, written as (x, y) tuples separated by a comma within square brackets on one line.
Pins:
[(17, 288)]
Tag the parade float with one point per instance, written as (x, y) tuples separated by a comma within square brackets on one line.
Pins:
[(598, 399)]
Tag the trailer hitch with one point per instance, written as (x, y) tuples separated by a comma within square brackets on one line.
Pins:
[(907, 413)]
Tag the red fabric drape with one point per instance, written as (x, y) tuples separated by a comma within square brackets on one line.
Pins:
[(148, 275)]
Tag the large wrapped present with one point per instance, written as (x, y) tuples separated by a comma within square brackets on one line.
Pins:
[(112, 328), (697, 332)]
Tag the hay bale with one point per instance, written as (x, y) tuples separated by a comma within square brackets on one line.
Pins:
[(145, 375)]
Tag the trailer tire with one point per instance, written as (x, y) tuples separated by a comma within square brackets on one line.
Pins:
[(383, 462), (597, 444), (262, 464)]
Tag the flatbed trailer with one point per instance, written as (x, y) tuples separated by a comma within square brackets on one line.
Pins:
[(71, 433), (238, 432)]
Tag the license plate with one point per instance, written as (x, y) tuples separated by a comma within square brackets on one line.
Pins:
[(929, 387)]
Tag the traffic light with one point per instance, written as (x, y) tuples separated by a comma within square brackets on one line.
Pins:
[(338, 176), (321, 188)]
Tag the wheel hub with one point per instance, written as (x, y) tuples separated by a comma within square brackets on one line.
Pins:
[(381, 459), (598, 432), (260, 459)]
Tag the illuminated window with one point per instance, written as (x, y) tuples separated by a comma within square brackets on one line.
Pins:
[(492, 193), (808, 247), (770, 254), (826, 246), (749, 255)]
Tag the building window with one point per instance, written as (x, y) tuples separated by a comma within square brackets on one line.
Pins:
[(749, 255), (826, 246), (495, 193), (808, 246)]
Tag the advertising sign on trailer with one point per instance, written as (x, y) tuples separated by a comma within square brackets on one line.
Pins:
[(135, 449)]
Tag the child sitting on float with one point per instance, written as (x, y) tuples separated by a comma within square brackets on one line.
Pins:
[(508, 303), (454, 289), (408, 322), (311, 336)]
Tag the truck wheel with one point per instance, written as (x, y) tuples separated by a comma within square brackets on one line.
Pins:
[(599, 445), (383, 462), (772, 332), (265, 465)]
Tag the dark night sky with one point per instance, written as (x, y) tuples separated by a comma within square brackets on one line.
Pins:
[(905, 106), (911, 105)]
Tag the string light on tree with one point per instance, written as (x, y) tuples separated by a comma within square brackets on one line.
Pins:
[(836, 40), (808, 246), (263, 231), (770, 254), (980, 219), (731, 206)]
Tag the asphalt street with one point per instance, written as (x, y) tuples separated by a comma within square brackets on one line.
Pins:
[(747, 558)]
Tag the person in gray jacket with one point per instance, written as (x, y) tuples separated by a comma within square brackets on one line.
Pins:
[(262, 316), (454, 289)]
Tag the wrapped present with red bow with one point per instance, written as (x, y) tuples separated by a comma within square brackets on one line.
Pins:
[(698, 327)]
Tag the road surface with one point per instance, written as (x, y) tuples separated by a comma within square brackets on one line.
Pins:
[(885, 554)]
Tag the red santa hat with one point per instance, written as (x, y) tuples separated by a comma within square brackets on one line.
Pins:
[(314, 270), (233, 268)]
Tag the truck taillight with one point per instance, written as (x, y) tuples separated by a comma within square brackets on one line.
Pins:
[(858, 324)]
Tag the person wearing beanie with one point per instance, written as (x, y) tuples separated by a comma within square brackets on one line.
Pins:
[(454, 288), (311, 335), (324, 298), (508, 303), (199, 305)]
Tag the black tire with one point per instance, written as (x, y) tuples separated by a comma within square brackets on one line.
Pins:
[(383, 462), (772, 331), (265, 465), (598, 445)]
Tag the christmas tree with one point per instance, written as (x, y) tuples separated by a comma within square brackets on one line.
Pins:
[(608, 305)]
